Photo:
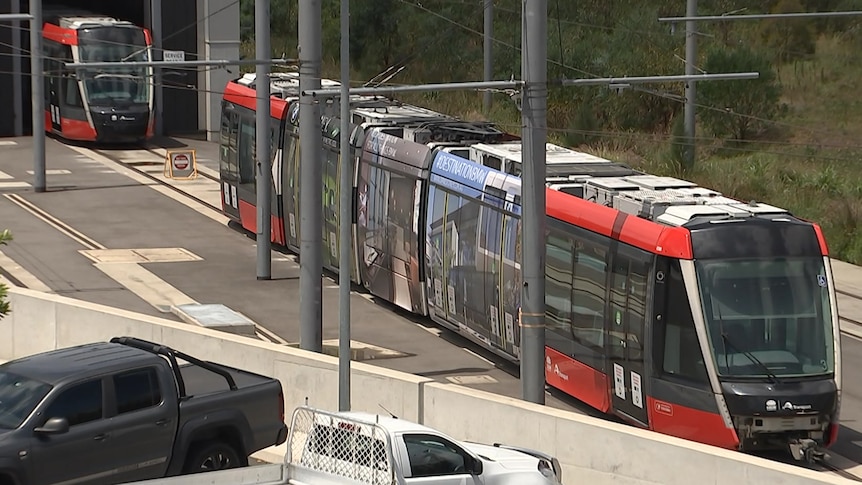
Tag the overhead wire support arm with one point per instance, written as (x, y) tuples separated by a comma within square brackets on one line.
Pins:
[(198, 63), (623, 81), (762, 16), (15, 16), (510, 85), (467, 86)]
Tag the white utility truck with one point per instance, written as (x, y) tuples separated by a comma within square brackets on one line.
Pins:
[(352, 448)]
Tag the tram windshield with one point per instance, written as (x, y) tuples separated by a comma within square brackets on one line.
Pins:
[(768, 317), (115, 85)]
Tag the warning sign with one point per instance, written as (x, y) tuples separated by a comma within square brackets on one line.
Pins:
[(181, 161), (181, 164)]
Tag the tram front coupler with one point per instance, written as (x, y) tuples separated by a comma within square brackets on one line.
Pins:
[(807, 450)]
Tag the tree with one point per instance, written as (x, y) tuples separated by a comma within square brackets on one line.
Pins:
[(5, 237), (740, 108)]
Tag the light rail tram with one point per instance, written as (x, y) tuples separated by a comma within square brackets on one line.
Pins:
[(109, 105), (669, 305)]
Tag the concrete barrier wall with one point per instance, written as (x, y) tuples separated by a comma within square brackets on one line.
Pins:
[(590, 450)]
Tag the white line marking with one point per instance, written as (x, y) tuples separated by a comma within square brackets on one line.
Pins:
[(149, 287), (474, 354), (5, 176), (27, 278), (14, 185), (431, 330), (53, 171), (8, 143), (52, 221)]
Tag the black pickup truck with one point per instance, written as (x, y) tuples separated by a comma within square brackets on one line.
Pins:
[(127, 410)]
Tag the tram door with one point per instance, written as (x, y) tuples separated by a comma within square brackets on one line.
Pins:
[(53, 82), (625, 332)]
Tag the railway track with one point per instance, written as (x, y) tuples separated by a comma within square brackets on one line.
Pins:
[(845, 318)]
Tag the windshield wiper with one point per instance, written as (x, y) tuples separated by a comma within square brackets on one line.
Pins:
[(750, 356), (117, 76)]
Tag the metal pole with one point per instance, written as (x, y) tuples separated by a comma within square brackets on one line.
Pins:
[(534, 113), (763, 16), (311, 179), (614, 82), (180, 64), (344, 218), (417, 88), (264, 140), (37, 95), (690, 57), (17, 89), (489, 60), (158, 53)]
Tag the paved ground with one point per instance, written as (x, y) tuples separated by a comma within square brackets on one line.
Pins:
[(92, 205), (96, 207)]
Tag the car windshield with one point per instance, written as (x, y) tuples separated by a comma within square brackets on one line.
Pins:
[(768, 317), (18, 397)]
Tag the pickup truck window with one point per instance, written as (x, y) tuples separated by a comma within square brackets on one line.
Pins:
[(433, 456), (137, 389), (79, 404), (18, 397)]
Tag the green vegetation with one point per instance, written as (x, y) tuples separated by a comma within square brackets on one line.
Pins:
[(788, 139), (5, 237)]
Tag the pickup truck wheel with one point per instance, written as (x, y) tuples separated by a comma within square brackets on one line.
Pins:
[(211, 457)]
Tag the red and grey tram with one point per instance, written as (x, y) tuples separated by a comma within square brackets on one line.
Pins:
[(106, 105), (668, 305)]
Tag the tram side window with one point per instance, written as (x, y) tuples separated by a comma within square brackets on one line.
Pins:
[(224, 137), (559, 261), (376, 227), (682, 355), (232, 147), (588, 312), (73, 94), (246, 152)]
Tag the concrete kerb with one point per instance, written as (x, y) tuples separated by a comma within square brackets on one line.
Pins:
[(590, 449)]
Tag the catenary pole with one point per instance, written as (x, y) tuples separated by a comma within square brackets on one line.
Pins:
[(311, 180), (158, 53), (17, 88), (344, 218), (263, 139), (489, 56), (534, 114), (37, 89), (690, 57)]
